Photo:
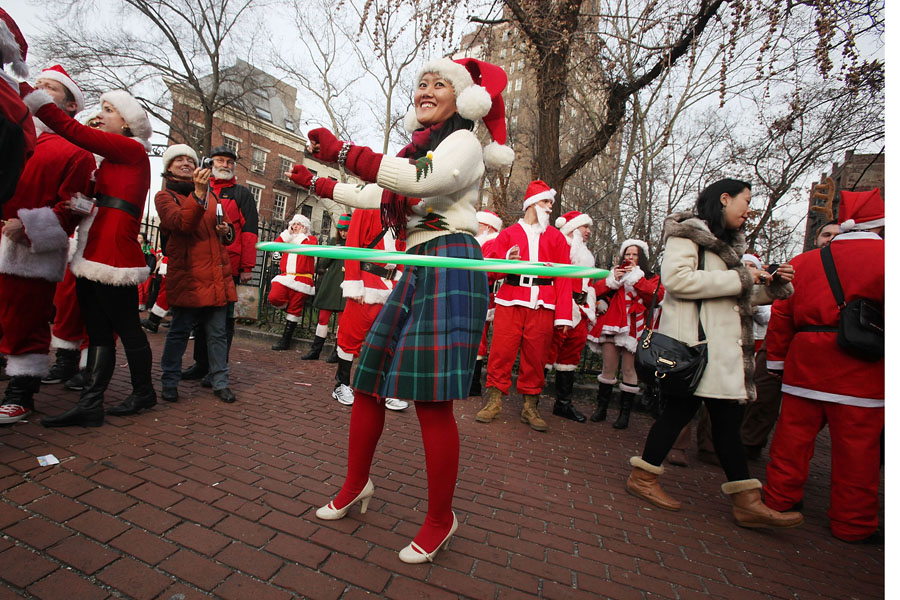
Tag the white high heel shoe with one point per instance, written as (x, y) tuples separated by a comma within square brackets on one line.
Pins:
[(414, 554), (330, 513)]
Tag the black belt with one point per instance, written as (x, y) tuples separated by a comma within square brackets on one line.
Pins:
[(117, 203), (579, 297), (527, 280), (818, 328), (376, 270)]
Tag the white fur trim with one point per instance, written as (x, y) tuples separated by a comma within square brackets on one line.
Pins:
[(289, 282), (11, 53), (353, 288), (569, 226), (473, 103), (322, 330), (743, 485), (612, 381), (631, 242), (545, 195), (134, 114), (411, 121), (633, 276), (564, 368), (293, 318), (103, 273), (453, 72), (631, 389), (61, 344), (750, 258), (830, 397), (490, 314), (640, 463), (82, 362), (43, 229), (73, 246), (489, 219), (852, 225), (498, 156), (36, 99), (602, 306), (159, 311), (18, 259), (163, 268), (611, 281), (29, 365), (623, 340), (343, 355), (775, 365), (67, 83), (302, 219), (176, 150)]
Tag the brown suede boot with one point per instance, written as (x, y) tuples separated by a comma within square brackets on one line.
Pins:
[(644, 483), (530, 414), (492, 407), (749, 510)]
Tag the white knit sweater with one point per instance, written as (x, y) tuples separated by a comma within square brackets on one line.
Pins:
[(449, 189)]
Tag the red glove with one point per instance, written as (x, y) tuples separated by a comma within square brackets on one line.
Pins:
[(301, 176), (364, 162), (325, 187), (329, 146)]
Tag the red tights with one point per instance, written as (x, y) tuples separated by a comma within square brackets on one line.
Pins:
[(441, 441)]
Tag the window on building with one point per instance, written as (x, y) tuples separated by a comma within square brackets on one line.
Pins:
[(285, 166), (521, 64), (503, 50), (262, 113), (278, 206), (256, 191), (506, 35), (306, 211), (259, 161), (512, 68), (195, 135), (326, 224), (514, 121), (518, 84), (515, 104), (288, 124), (232, 144)]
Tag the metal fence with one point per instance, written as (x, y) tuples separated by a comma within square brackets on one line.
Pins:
[(270, 318)]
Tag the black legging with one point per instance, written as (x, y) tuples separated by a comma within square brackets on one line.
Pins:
[(108, 309), (725, 416)]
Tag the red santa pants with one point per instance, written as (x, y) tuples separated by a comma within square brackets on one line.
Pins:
[(855, 461), (356, 320), (483, 346), (26, 305), (161, 306), (68, 326), (282, 296), (565, 351), (530, 329)]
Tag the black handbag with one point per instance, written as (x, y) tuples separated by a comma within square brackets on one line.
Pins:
[(860, 330), (669, 363)]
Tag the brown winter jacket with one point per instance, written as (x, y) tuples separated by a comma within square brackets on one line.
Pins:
[(199, 272)]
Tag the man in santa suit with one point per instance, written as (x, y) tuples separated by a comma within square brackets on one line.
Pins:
[(18, 144), (29, 270), (294, 284), (825, 385), (489, 226), (160, 308), (565, 352), (528, 307), (366, 287)]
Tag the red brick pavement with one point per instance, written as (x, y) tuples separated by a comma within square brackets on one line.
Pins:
[(203, 499)]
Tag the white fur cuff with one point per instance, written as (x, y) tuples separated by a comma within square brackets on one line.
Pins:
[(43, 229), (611, 282), (322, 330), (61, 344), (353, 288), (640, 463), (631, 389), (36, 99), (734, 487), (633, 276), (293, 318), (28, 365)]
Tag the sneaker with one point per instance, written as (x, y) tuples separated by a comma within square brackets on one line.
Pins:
[(13, 413), (395, 404), (343, 394)]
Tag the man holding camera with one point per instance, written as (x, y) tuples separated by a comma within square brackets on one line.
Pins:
[(198, 277), (240, 208)]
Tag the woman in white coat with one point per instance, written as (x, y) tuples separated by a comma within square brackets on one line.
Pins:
[(727, 290)]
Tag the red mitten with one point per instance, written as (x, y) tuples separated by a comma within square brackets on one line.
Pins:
[(364, 162), (329, 146), (301, 176), (325, 187), (25, 89)]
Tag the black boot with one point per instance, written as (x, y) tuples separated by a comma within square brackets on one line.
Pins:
[(18, 400), (285, 342), (77, 381), (314, 351), (333, 358), (604, 393), (65, 367), (140, 362), (151, 323), (89, 410), (626, 401), (563, 407), (475, 388)]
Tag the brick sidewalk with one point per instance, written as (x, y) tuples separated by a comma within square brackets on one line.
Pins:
[(203, 499)]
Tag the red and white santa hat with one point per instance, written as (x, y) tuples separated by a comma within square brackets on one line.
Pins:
[(752, 258), (478, 87), (631, 242), (58, 74), (571, 221), (537, 190), (134, 114), (13, 47), (489, 218), (861, 210), (298, 218)]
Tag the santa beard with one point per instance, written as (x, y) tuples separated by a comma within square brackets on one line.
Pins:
[(579, 253), (543, 217), (485, 237)]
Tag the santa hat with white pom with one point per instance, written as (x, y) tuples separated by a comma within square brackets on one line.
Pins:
[(861, 210), (478, 88), (13, 47)]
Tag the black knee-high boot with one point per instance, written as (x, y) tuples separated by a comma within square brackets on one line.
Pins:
[(475, 388), (315, 350), (285, 342), (140, 363), (563, 407), (89, 410), (604, 393), (626, 402)]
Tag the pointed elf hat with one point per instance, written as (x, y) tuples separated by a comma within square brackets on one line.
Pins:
[(489, 218), (571, 221), (343, 221), (13, 47), (861, 210), (477, 86), (537, 190)]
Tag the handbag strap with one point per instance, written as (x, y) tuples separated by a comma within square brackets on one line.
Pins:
[(831, 273), (701, 260)]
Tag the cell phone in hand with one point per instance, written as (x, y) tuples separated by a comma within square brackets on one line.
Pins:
[(218, 214), (772, 268)]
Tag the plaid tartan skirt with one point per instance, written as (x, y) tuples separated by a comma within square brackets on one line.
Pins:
[(424, 342)]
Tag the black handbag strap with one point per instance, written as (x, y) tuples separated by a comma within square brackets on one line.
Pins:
[(701, 260), (831, 273)]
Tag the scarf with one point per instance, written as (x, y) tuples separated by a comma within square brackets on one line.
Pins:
[(395, 207), (179, 186)]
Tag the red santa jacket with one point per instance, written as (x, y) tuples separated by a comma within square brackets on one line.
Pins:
[(240, 206), (487, 246), (549, 246), (14, 110), (359, 281), (56, 171), (296, 270), (626, 316), (108, 250), (814, 365)]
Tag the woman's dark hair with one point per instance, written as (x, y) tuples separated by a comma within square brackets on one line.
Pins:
[(452, 124), (643, 260), (709, 206)]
